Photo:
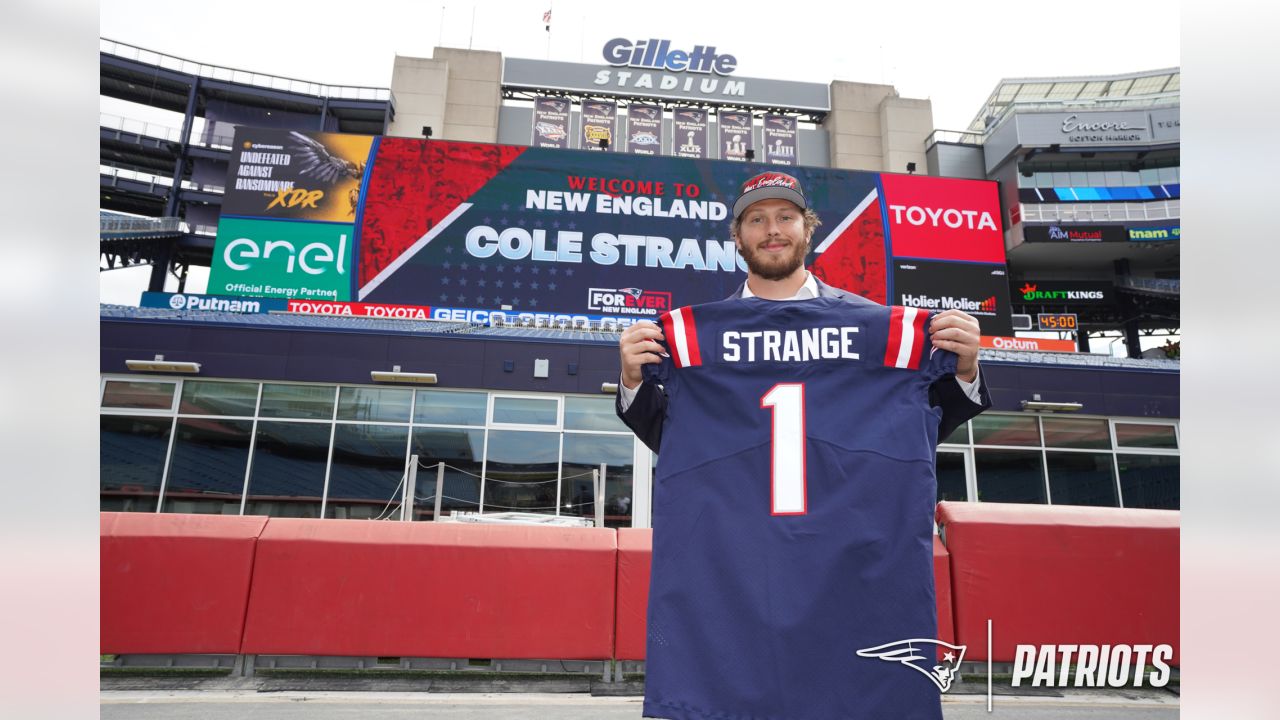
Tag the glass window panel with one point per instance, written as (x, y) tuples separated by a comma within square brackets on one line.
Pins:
[(1150, 481), (591, 414), (1119, 87), (1175, 83), (1138, 435), (138, 394), (287, 479), (1133, 178), (1082, 479), (1168, 175), (951, 480), (1097, 178), (1115, 178), (1062, 179), (1149, 176), (450, 408), (367, 469), (1091, 433), (374, 404), (200, 397), (297, 401), (584, 453), (960, 435), (524, 410), (522, 471), (1079, 179), (462, 452), (997, 429), (131, 456), (206, 473), (1044, 179), (1012, 476)]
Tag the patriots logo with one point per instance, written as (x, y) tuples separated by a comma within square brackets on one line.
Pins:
[(693, 115), (907, 653), (780, 121), (633, 292)]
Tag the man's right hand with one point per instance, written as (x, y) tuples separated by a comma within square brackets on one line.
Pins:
[(638, 347)]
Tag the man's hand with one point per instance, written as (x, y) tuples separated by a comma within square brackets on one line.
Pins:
[(638, 347), (958, 332)]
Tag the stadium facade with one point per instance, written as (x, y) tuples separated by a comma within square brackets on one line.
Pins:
[(240, 406)]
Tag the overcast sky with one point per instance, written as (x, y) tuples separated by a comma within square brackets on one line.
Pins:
[(951, 53)]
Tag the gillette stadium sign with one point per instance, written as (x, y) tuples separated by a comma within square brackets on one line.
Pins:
[(655, 68)]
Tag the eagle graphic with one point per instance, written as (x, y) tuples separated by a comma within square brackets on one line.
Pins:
[(319, 163)]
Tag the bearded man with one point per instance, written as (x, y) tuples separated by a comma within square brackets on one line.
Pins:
[(773, 228)]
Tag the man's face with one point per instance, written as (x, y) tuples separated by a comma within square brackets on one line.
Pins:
[(771, 238)]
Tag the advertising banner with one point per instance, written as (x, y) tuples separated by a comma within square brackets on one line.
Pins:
[(212, 303), (644, 129), (978, 289), (1063, 292), (1075, 233), (475, 231), (1001, 342), (779, 140), (689, 132), (288, 174), (285, 259), (735, 134), (1155, 233), (598, 120), (550, 122), (944, 219)]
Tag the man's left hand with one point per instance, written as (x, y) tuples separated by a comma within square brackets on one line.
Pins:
[(958, 332)]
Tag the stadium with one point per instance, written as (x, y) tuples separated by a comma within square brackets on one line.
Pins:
[(405, 359)]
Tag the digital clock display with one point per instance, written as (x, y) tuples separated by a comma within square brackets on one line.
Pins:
[(1056, 321)]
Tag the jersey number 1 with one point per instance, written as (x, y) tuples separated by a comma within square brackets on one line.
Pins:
[(787, 488)]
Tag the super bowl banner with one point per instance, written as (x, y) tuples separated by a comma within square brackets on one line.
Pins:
[(598, 118), (689, 131), (550, 122), (779, 140), (644, 129), (735, 134), (477, 232)]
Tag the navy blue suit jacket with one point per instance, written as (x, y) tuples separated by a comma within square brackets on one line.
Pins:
[(647, 412)]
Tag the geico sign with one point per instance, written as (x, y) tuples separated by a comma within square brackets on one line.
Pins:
[(950, 217), (312, 259)]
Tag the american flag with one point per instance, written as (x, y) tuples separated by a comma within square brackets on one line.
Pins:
[(546, 17)]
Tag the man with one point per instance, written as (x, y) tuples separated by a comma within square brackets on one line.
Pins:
[(773, 230)]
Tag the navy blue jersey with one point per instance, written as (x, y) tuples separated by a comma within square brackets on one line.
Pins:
[(793, 511)]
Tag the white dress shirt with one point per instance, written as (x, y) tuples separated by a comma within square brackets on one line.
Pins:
[(808, 291)]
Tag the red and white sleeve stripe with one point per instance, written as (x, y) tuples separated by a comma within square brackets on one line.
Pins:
[(906, 337), (682, 337)]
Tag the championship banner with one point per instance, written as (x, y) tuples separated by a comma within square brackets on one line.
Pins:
[(598, 119), (779, 140), (644, 129), (735, 134), (550, 122), (478, 232), (689, 132), (288, 174)]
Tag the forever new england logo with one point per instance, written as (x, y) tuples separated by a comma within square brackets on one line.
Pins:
[(628, 301)]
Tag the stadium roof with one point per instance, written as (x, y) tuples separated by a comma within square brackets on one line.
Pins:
[(1138, 89)]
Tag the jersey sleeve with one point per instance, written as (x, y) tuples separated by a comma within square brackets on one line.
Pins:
[(936, 363)]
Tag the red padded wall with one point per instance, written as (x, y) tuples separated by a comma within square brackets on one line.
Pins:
[(635, 556), (356, 587), (174, 583), (942, 591), (1061, 575)]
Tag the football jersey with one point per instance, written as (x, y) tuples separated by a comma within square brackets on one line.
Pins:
[(793, 511)]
